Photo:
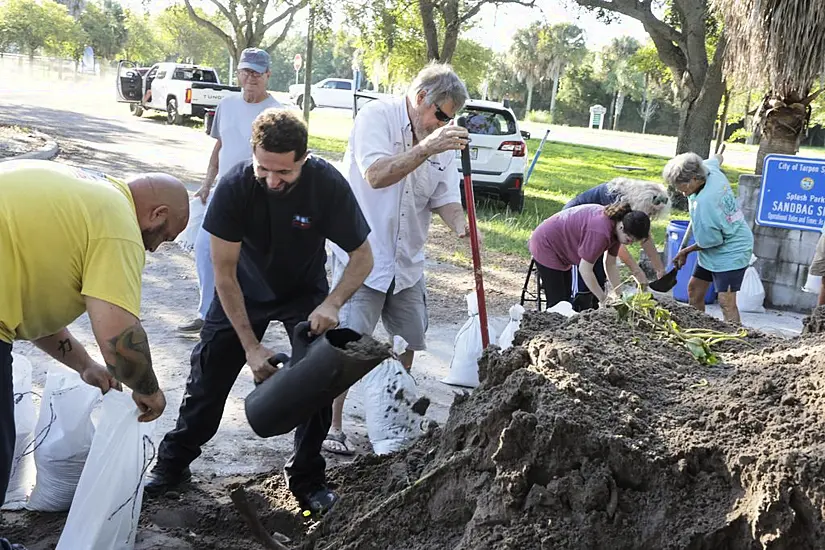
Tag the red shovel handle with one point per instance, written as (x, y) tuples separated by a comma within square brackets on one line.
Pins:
[(474, 244)]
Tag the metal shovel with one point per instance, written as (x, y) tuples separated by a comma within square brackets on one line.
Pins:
[(668, 281)]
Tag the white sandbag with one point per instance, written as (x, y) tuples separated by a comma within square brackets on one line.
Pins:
[(25, 419), (186, 239), (390, 392), (468, 348), (563, 308), (505, 341), (106, 506), (62, 439), (751, 295)]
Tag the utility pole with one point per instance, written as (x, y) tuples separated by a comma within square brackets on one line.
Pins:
[(308, 67)]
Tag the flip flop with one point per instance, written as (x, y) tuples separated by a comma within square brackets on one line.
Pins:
[(339, 438)]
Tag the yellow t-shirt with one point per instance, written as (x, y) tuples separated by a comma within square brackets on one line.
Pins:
[(65, 233)]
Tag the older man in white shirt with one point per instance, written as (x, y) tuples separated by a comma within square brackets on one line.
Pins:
[(400, 163)]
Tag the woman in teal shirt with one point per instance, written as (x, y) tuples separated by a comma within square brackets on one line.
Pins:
[(723, 239)]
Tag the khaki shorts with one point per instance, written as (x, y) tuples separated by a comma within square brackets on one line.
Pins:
[(403, 314), (818, 265)]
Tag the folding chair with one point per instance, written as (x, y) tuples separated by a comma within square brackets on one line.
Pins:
[(532, 296)]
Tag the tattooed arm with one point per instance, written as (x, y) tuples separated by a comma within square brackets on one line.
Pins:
[(125, 349), (65, 348)]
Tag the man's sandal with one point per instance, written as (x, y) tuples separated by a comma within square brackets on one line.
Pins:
[(336, 443)]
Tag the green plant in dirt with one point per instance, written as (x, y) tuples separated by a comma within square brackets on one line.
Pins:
[(642, 311)]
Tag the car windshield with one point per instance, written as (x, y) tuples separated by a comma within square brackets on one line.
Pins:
[(195, 75), (488, 122)]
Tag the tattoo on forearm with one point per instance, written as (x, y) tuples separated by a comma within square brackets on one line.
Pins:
[(65, 346), (133, 362)]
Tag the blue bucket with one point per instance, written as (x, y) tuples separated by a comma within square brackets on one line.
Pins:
[(675, 233)]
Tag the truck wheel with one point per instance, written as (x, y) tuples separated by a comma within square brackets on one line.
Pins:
[(137, 110), (301, 102), (172, 114)]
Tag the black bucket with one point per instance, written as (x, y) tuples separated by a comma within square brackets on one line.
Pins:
[(319, 371)]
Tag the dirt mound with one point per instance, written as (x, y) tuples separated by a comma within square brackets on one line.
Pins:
[(815, 322), (591, 434)]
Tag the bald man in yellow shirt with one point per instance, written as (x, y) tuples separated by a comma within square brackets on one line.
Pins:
[(74, 241)]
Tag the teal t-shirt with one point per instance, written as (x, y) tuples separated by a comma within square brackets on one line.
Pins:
[(719, 225)]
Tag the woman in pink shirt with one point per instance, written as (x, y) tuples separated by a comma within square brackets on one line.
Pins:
[(580, 236)]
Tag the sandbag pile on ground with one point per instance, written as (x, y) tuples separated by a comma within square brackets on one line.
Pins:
[(591, 434)]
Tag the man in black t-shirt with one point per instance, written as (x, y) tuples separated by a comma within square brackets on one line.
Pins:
[(268, 225)]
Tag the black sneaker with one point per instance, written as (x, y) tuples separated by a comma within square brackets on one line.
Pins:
[(318, 502), (162, 479)]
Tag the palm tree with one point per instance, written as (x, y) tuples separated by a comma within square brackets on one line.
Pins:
[(561, 45), (621, 74), (779, 44), (527, 64)]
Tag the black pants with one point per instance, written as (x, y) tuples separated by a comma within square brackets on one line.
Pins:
[(584, 298), (557, 284), (216, 362), (7, 433)]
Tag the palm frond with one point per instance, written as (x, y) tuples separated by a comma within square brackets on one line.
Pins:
[(780, 43)]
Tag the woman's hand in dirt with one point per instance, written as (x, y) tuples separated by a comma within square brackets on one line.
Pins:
[(258, 361), (151, 406), (323, 318), (99, 377)]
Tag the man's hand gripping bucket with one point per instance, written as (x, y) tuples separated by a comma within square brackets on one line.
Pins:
[(320, 369)]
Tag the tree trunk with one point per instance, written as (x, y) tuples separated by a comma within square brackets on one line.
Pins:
[(556, 78), (782, 129), (450, 43), (529, 97), (430, 29), (308, 65), (619, 106), (723, 122), (645, 106), (698, 115), (612, 109)]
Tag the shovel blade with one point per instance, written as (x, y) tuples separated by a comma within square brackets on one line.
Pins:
[(665, 283)]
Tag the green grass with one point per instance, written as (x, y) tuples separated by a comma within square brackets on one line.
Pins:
[(562, 172)]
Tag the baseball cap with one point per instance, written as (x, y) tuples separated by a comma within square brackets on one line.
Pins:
[(254, 58)]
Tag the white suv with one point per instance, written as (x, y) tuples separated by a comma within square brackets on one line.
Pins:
[(498, 152)]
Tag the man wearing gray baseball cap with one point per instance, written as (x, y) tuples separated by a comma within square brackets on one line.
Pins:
[(256, 59), (232, 130)]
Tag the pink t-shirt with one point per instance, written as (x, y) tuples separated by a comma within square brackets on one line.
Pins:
[(581, 232)]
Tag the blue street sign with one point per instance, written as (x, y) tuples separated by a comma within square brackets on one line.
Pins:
[(793, 193)]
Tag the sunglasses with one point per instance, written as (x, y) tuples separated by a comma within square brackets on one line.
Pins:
[(441, 115)]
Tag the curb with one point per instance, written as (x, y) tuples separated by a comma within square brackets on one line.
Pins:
[(47, 152)]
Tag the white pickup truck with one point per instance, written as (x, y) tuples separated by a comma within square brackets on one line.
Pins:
[(179, 89), (330, 92)]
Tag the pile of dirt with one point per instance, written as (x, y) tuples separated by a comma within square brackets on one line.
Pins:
[(590, 434), (815, 322)]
